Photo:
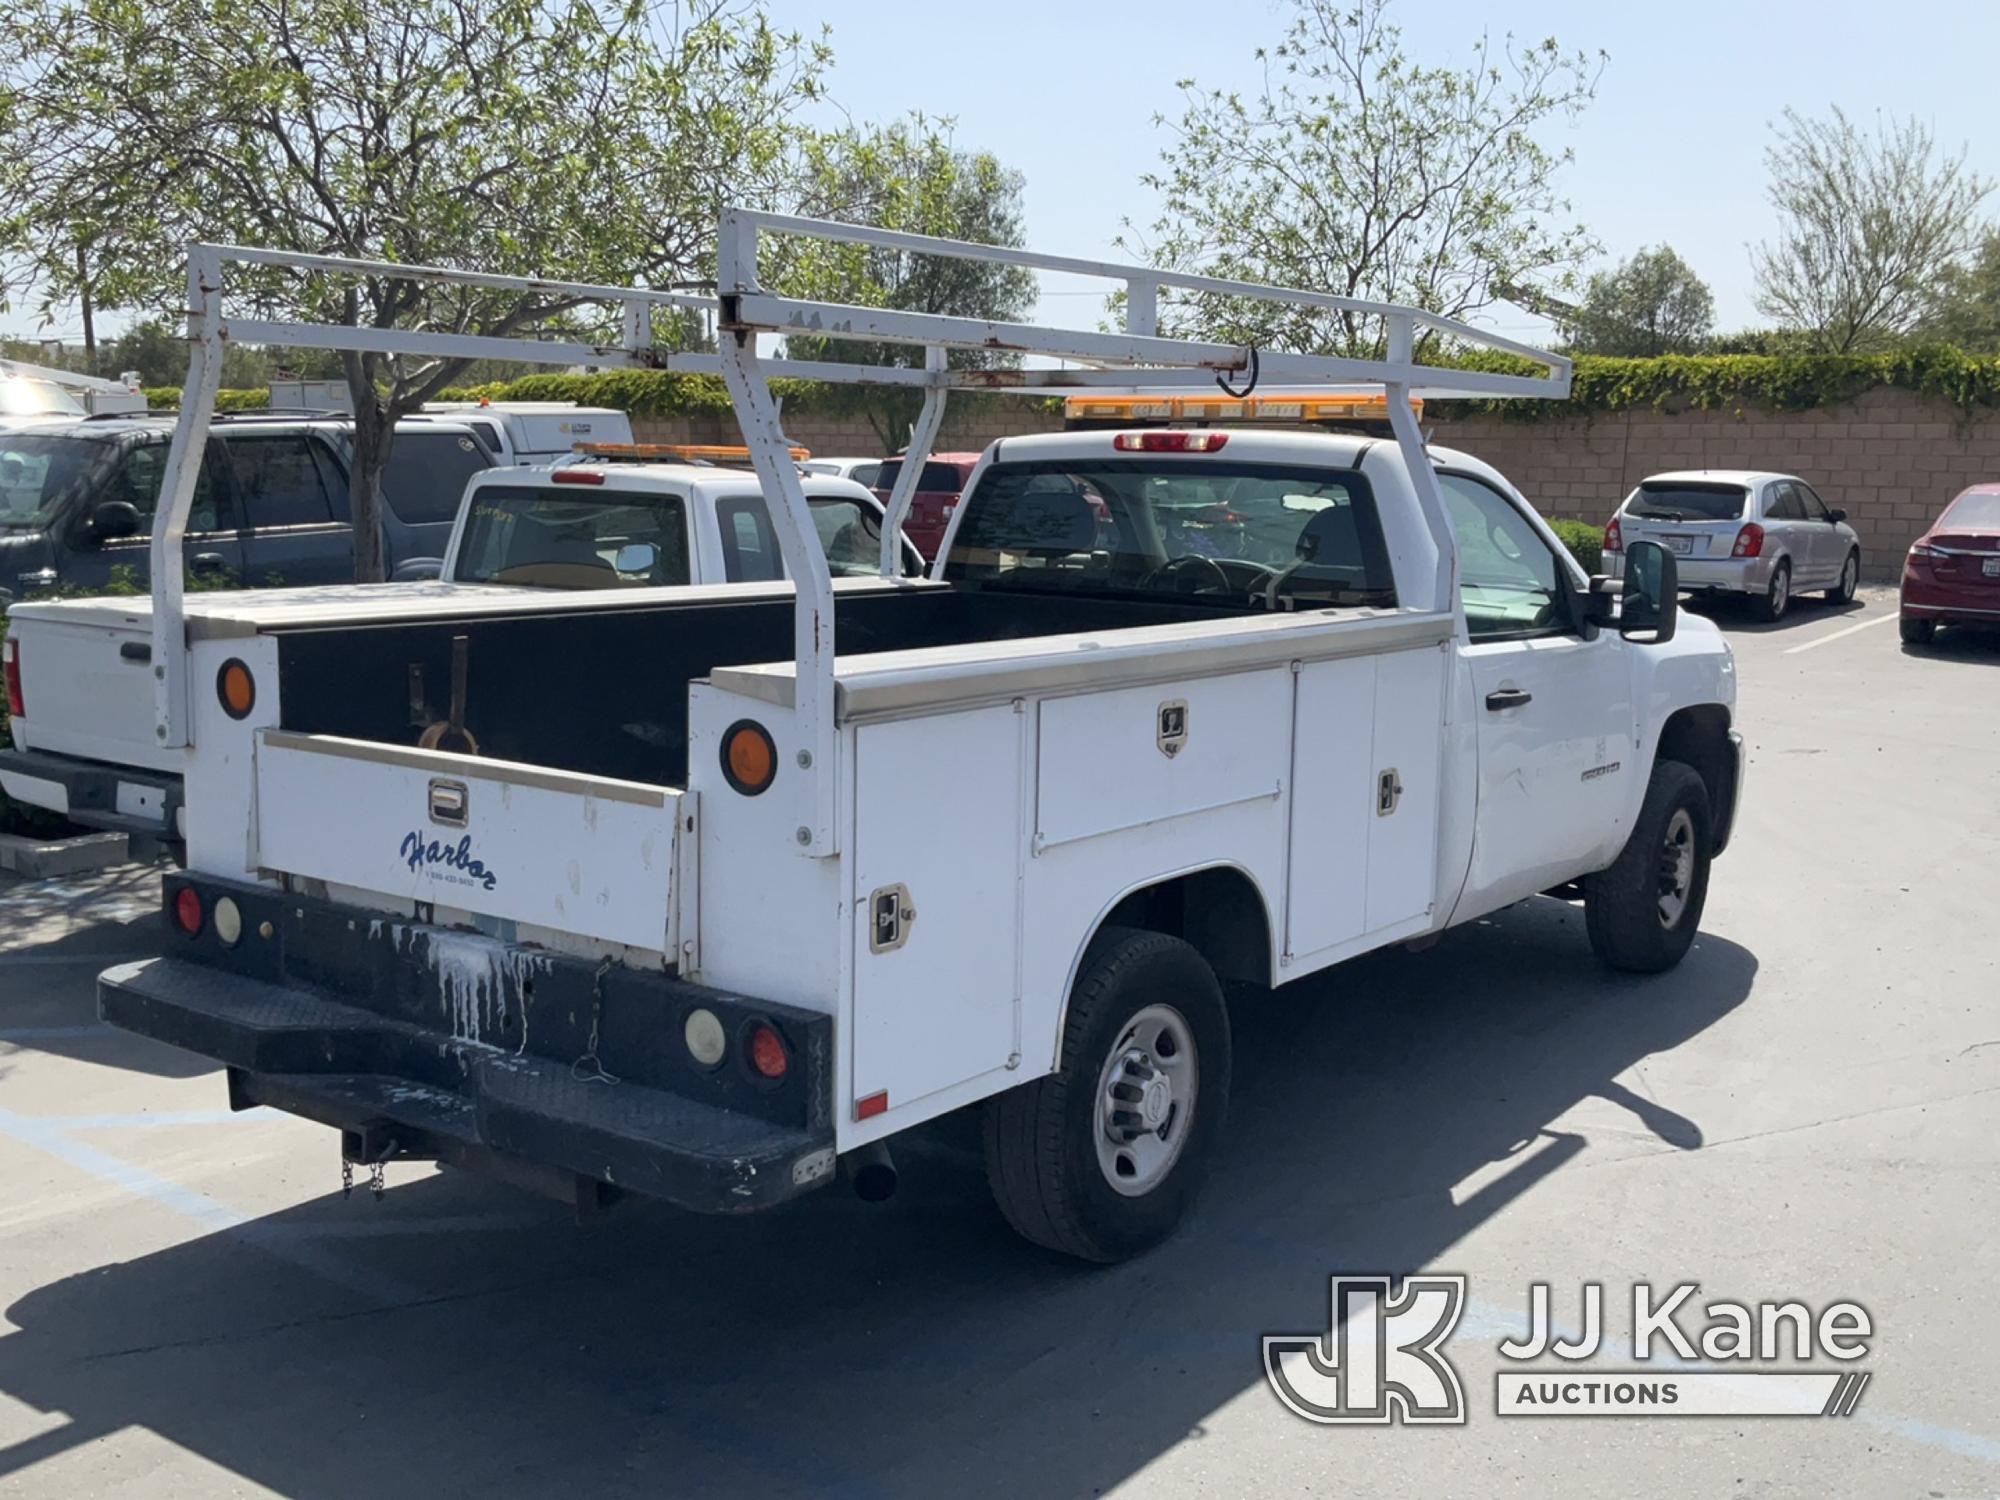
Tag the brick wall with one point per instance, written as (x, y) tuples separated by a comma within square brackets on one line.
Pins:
[(1891, 458)]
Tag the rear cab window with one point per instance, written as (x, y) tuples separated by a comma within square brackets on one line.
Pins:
[(427, 474), (1676, 501), (573, 537), (850, 533), (934, 477), (1212, 530)]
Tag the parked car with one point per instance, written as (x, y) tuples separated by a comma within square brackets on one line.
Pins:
[(31, 396), (863, 471), (1952, 573), (77, 499), (1768, 537), (939, 485)]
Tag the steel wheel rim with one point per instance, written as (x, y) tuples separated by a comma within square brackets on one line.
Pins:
[(1676, 872), (1781, 589), (1146, 1095)]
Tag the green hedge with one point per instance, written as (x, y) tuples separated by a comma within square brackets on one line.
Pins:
[(1731, 382), (1585, 543), (1790, 382)]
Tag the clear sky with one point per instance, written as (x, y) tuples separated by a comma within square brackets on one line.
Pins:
[(1672, 150), (1066, 91)]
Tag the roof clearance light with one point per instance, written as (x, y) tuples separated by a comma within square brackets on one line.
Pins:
[(1169, 442), (577, 476), (712, 452), (1358, 406)]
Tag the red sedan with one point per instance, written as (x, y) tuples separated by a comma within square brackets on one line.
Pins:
[(938, 488), (1952, 575)]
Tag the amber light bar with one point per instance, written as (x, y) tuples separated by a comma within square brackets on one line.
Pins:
[(1293, 407)]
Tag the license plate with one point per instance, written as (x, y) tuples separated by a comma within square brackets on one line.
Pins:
[(1991, 567), (1680, 546)]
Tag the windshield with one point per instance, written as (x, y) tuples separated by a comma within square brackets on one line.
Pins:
[(1975, 510), (39, 475), (545, 536), (24, 396), (1244, 534), (1688, 502)]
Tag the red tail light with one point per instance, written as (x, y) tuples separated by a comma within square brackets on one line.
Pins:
[(577, 476), (15, 708), (767, 1052), (187, 910), (1169, 442), (1614, 540), (1749, 541)]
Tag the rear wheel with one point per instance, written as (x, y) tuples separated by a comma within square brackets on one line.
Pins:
[(1777, 596), (1916, 632), (1102, 1158), (1643, 912), (1850, 579)]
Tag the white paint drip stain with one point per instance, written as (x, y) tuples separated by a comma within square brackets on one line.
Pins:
[(475, 975)]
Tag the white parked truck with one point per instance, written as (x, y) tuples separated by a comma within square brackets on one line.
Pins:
[(742, 884), (78, 670)]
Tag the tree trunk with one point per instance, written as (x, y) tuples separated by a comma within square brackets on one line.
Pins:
[(373, 433), (89, 313)]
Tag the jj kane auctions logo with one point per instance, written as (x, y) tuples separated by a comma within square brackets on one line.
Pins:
[(1382, 1359)]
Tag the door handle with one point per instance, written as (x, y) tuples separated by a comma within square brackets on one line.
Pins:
[(1508, 698), (207, 562)]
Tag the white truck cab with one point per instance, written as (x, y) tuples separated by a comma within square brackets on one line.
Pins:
[(710, 893)]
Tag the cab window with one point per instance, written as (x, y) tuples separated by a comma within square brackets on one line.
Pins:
[(140, 477), (1509, 580)]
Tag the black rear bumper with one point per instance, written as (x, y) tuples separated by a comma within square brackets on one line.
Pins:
[(445, 1045), (90, 791)]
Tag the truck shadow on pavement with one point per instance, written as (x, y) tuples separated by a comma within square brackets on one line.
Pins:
[(458, 1338)]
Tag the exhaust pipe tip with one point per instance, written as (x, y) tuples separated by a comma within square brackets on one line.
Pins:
[(872, 1172)]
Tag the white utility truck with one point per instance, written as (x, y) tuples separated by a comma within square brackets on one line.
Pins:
[(745, 882)]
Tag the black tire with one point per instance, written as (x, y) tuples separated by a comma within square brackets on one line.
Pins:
[(1916, 632), (1042, 1155), (1850, 578), (1622, 906), (1770, 607)]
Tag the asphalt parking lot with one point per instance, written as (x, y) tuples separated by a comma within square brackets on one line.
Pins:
[(1806, 1109)]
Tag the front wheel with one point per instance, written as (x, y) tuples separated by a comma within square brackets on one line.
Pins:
[(1850, 580), (1642, 913), (1102, 1158), (1777, 595)]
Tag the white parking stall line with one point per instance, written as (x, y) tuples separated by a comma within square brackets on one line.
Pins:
[(1828, 639)]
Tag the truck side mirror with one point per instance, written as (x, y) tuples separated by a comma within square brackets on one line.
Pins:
[(1650, 605), (112, 519)]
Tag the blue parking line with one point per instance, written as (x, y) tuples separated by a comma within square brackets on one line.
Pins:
[(50, 1138)]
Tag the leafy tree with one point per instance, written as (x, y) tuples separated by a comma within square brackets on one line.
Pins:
[(1359, 170), (587, 140), (1965, 302), (1651, 304), (910, 176), (1869, 225)]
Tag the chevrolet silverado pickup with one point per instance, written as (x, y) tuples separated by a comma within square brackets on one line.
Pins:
[(739, 884)]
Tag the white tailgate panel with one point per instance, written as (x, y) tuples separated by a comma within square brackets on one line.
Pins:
[(579, 854), (1402, 847), (1333, 804), (83, 698), (937, 810), (1103, 769)]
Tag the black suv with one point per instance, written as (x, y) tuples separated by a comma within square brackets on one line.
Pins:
[(77, 497)]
